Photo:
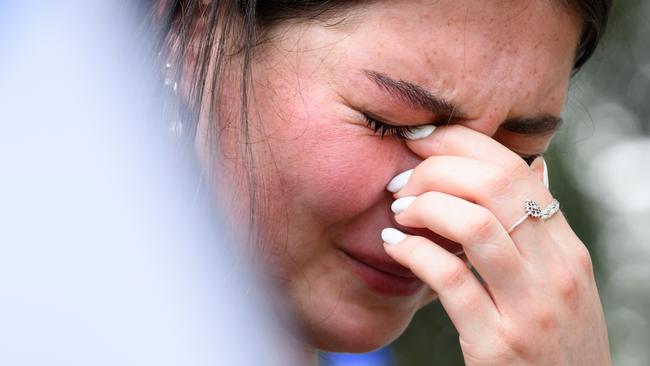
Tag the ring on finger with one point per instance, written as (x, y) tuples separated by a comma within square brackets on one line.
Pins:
[(533, 210)]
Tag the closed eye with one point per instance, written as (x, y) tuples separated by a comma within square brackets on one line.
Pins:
[(401, 132), (384, 129)]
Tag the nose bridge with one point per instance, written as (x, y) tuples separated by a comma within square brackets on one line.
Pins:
[(495, 110), (494, 96), (487, 125)]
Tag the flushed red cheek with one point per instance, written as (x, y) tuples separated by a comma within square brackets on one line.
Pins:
[(337, 178)]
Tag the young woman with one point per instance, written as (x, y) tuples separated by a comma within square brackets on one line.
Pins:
[(372, 151)]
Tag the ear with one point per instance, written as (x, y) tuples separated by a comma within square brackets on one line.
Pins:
[(540, 170)]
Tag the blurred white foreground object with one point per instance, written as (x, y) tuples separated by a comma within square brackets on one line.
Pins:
[(106, 257)]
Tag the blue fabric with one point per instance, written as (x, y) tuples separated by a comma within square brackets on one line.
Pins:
[(381, 357)]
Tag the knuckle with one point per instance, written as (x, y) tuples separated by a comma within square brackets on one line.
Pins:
[(568, 290), (471, 300), (516, 343), (583, 258), (567, 287), (482, 226), (455, 275), (520, 340), (499, 181), (545, 321)]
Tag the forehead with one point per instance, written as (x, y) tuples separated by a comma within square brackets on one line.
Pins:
[(477, 53), (476, 50)]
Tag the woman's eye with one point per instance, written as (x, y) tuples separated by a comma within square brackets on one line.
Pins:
[(383, 129), (401, 132)]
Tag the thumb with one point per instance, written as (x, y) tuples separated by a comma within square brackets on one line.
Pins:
[(539, 168)]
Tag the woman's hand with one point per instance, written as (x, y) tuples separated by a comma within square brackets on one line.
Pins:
[(539, 304)]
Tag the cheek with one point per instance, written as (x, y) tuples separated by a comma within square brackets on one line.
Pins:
[(327, 163), (333, 175)]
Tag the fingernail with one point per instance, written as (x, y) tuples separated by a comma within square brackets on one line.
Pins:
[(399, 181), (419, 132), (400, 205), (392, 236), (545, 173)]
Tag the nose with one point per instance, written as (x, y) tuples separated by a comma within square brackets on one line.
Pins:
[(407, 159), (487, 124)]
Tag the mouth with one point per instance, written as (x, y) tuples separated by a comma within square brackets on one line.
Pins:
[(383, 274), (387, 278)]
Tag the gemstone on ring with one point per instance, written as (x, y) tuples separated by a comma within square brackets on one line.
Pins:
[(533, 210)]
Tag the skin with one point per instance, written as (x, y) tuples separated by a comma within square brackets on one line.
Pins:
[(322, 176)]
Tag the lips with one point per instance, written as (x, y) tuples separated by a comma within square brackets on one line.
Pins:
[(383, 264), (392, 280), (371, 263)]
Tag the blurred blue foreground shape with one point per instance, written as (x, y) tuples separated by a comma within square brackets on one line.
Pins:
[(106, 255), (381, 357)]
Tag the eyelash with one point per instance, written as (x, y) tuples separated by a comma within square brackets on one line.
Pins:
[(400, 132), (384, 129)]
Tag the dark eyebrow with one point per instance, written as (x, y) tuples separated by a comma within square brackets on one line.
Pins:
[(418, 97), (415, 95), (532, 125)]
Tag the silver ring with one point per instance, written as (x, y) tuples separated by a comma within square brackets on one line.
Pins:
[(534, 211)]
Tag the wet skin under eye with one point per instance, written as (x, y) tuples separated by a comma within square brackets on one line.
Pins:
[(400, 132)]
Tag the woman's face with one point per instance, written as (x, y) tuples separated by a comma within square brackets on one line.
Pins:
[(323, 201)]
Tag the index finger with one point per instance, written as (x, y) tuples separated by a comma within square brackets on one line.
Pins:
[(458, 140)]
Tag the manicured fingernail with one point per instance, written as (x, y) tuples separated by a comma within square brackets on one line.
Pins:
[(545, 173), (400, 205), (392, 236), (419, 132), (399, 181)]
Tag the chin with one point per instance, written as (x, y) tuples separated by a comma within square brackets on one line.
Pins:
[(352, 329)]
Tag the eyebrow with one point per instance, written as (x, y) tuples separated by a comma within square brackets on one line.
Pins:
[(533, 125), (420, 98)]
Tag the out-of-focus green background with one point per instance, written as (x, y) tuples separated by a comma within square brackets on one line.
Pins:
[(600, 171)]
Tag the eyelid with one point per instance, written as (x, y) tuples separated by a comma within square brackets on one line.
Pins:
[(371, 116), (400, 132), (384, 128)]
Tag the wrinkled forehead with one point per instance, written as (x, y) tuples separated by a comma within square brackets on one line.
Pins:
[(508, 58), (471, 51)]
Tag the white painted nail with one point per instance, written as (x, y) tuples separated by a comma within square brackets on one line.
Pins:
[(392, 236), (545, 173), (399, 181), (419, 132), (400, 205)]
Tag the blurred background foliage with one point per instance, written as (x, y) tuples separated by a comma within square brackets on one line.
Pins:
[(600, 171)]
